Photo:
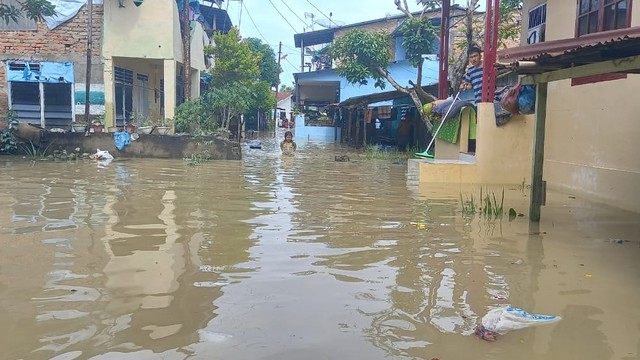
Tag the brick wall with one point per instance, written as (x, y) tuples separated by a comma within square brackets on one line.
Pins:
[(67, 42)]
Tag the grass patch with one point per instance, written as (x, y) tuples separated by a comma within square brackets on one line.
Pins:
[(34, 152), (487, 207), (198, 158), (381, 153)]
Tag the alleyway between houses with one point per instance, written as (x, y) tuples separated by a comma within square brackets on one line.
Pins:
[(300, 258)]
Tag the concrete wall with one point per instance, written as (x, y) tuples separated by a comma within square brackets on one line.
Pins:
[(305, 133), (503, 153), (592, 130), (199, 40), (151, 30), (147, 146)]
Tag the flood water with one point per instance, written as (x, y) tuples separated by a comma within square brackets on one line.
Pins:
[(299, 258)]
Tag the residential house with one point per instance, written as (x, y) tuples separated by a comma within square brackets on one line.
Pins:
[(584, 57), (284, 107), (136, 69), (318, 85)]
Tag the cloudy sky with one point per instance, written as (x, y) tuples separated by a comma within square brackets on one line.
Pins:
[(273, 21)]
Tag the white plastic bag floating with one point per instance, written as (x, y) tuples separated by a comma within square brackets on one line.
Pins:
[(504, 319), (101, 155)]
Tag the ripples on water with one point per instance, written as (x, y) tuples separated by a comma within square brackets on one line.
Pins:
[(296, 258)]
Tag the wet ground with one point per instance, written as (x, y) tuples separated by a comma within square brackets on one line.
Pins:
[(299, 258)]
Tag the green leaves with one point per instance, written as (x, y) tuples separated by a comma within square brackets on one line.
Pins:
[(234, 60), (358, 54), (419, 38), (31, 9), (267, 63)]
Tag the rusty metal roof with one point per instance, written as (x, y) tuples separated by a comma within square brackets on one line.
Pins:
[(564, 53), (364, 100)]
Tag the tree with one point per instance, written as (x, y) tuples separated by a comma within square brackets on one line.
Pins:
[(31, 9), (237, 87), (286, 88), (267, 64), (362, 55), (472, 26), (234, 60)]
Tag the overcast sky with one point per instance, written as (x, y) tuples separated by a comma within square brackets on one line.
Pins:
[(273, 21)]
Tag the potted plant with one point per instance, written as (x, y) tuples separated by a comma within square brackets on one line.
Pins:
[(97, 125), (163, 126), (130, 124), (80, 125), (146, 125)]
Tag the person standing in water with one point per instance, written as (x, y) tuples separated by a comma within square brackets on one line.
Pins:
[(288, 146)]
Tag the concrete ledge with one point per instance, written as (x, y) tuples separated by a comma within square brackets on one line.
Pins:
[(444, 171), (146, 146)]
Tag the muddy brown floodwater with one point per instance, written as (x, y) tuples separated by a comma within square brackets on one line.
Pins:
[(299, 258)]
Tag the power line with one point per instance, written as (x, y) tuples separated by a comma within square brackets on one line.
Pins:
[(254, 23), (290, 63), (294, 13), (290, 47), (285, 19), (325, 15)]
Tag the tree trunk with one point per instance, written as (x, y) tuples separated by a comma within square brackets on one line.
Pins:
[(459, 67), (412, 93)]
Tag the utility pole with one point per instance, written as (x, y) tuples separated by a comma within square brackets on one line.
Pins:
[(186, 49), (275, 109), (87, 79)]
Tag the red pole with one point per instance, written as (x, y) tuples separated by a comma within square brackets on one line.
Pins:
[(490, 50), (443, 73), (494, 50), (487, 65)]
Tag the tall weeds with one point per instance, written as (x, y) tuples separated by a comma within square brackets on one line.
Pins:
[(488, 207)]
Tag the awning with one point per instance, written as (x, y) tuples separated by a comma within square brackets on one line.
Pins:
[(572, 52), (381, 96)]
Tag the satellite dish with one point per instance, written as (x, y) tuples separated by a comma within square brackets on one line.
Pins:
[(327, 24)]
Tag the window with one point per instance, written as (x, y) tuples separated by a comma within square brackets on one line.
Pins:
[(602, 15), (124, 94), (39, 95), (537, 21)]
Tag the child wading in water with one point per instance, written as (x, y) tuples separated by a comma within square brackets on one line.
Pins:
[(288, 146)]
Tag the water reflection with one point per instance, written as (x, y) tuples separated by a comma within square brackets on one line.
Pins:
[(304, 257)]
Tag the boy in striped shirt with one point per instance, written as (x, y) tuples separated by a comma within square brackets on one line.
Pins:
[(473, 77)]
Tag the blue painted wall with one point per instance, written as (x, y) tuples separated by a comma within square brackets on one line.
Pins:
[(401, 71), (305, 133)]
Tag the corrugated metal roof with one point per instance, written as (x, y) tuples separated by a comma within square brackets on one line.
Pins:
[(325, 36), (363, 100), (563, 53)]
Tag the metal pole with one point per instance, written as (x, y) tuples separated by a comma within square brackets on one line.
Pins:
[(275, 109), (87, 79), (443, 83)]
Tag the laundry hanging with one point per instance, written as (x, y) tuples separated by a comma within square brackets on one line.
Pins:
[(384, 112)]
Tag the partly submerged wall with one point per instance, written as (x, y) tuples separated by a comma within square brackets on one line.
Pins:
[(315, 133), (146, 146)]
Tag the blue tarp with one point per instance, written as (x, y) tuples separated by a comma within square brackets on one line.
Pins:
[(121, 139), (51, 72)]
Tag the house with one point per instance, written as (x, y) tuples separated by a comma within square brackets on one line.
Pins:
[(584, 58), (284, 107), (136, 61), (319, 86)]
